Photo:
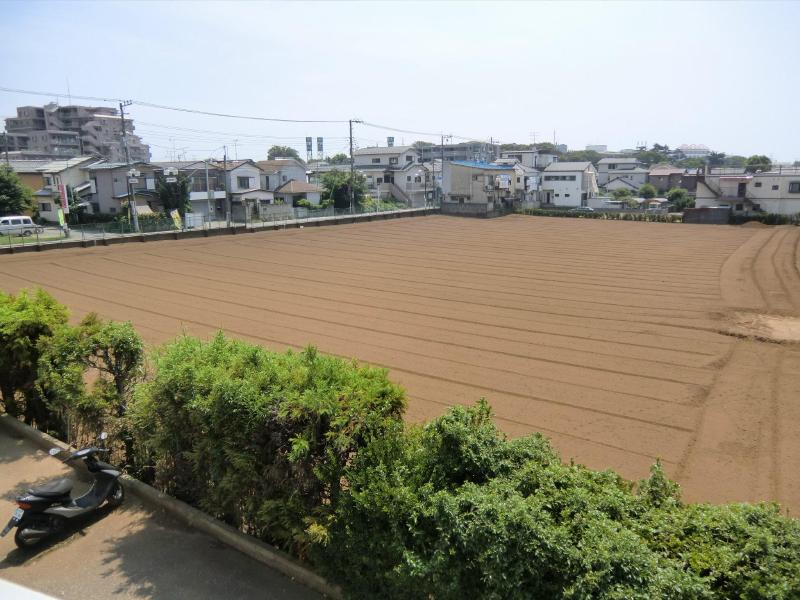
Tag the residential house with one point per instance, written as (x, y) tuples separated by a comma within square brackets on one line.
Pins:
[(477, 189), (247, 197), (28, 172), (292, 191), (631, 179), (531, 158), (280, 170), (609, 168), (70, 173), (776, 191), (206, 186), (109, 194), (393, 172), (568, 184), (666, 177)]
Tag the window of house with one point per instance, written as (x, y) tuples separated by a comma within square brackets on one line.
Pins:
[(557, 196), (775, 187), (243, 183), (612, 166), (393, 161), (380, 180), (45, 206), (794, 187), (757, 184), (112, 210), (408, 177), (409, 158), (517, 179), (283, 177), (572, 177), (417, 179), (95, 207), (739, 207), (474, 178), (376, 161)]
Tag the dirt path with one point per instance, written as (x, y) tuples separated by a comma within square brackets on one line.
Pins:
[(607, 336)]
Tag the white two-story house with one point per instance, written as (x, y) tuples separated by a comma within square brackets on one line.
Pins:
[(568, 184), (611, 168), (279, 171), (244, 179), (393, 172), (776, 191)]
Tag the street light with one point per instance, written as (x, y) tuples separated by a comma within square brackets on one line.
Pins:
[(133, 176)]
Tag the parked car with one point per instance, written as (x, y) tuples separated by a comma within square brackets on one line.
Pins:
[(18, 225), (585, 209)]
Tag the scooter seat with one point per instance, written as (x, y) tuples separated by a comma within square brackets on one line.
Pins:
[(56, 489)]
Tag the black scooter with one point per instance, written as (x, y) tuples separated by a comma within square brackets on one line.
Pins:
[(47, 508)]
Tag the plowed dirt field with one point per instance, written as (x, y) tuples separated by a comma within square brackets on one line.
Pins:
[(621, 341)]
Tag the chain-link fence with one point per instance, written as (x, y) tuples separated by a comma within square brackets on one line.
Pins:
[(253, 218)]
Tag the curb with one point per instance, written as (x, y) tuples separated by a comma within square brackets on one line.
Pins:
[(252, 547)]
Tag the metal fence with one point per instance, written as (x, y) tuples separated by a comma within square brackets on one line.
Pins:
[(249, 219)]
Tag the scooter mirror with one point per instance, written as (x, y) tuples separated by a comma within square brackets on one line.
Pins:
[(103, 436), (54, 451)]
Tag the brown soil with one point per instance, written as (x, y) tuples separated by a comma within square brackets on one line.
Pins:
[(608, 336)]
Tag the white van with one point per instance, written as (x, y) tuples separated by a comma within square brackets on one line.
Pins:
[(18, 225)]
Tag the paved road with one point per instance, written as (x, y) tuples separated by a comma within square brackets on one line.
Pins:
[(131, 552)]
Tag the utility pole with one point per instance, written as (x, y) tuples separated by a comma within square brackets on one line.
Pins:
[(350, 194), (131, 196), (209, 194), (225, 180)]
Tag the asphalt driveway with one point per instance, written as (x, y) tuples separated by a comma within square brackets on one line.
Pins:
[(130, 552)]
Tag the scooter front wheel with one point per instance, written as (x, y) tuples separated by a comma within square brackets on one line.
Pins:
[(116, 495)]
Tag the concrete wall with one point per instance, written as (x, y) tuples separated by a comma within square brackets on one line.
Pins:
[(708, 216), (469, 209)]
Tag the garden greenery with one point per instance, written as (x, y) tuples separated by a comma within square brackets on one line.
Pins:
[(310, 453)]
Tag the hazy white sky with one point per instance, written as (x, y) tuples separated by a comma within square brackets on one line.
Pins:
[(721, 74)]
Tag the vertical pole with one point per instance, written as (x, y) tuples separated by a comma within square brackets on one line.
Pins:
[(131, 197), (350, 181), (225, 181), (209, 193)]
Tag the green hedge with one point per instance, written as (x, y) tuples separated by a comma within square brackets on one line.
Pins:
[(256, 438), (611, 216), (453, 509)]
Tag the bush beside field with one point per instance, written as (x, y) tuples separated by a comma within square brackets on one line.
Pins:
[(310, 453)]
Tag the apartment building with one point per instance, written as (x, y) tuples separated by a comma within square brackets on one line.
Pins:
[(69, 131), (776, 191), (568, 184), (464, 151)]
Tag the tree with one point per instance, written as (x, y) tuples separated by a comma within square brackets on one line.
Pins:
[(735, 161), (650, 157), (581, 156), (15, 198), (680, 199), (282, 152), (25, 320), (621, 193), (757, 162), (546, 148), (716, 159), (336, 188), (339, 159), (174, 195), (506, 147), (691, 163), (648, 191)]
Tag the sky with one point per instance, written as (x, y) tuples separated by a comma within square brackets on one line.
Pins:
[(723, 74)]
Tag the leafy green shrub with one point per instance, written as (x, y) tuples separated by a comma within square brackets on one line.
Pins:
[(257, 438), (611, 216), (453, 508)]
